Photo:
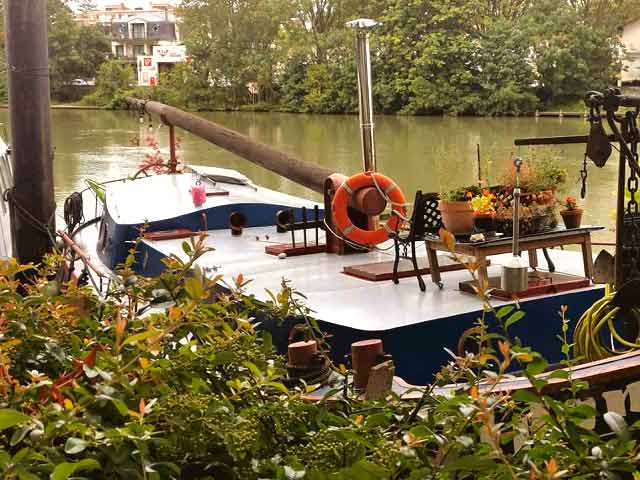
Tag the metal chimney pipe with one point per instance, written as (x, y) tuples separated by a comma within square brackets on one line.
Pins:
[(365, 95)]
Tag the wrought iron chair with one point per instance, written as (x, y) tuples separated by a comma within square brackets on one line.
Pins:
[(425, 219)]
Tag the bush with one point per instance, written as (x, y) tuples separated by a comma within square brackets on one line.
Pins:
[(91, 389), (113, 80)]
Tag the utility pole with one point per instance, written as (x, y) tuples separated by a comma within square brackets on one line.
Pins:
[(32, 200)]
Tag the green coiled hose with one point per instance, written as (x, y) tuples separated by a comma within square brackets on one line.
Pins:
[(588, 334)]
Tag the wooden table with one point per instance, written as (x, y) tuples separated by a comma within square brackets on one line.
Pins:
[(530, 243)]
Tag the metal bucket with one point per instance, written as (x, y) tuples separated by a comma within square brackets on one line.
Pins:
[(515, 276)]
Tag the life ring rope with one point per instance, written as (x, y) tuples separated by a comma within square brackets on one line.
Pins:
[(388, 189)]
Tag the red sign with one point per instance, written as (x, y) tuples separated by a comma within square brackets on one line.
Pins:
[(152, 81), (147, 62)]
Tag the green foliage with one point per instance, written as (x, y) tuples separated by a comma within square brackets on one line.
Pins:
[(462, 194), (481, 57), (571, 53), (74, 51), (90, 389), (114, 79)]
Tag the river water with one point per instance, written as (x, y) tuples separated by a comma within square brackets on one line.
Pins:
[(428, 153)]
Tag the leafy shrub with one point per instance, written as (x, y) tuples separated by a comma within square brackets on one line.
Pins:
[(90, 388), (113, 79)]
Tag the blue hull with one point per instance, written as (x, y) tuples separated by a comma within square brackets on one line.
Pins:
[(418, 350)]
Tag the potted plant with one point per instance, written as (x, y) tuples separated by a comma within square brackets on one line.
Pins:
[(484, 211), (571, 215), (457, 212)]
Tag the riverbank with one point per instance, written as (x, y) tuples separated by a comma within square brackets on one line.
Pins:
[(67, 107)]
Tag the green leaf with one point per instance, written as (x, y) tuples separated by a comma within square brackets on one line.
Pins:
[(504, 311), (194, 288), (470, 463), (377, 420), (75, 445), (558, 374), (139, 337), (526, 396), (64, 470), (537, 366), (267, 342), (584, 411), (253, 369), (97, 189), (19, 434), (420, 431), (25, 475), (10, 418), (278, 386), (519, 315)]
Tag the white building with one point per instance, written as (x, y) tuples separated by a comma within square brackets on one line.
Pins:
[(145, 34)]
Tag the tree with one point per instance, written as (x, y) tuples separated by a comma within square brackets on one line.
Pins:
[(505, 73), (113, 79), (571, 56), (234, 42), (74, 51), (85, 6)]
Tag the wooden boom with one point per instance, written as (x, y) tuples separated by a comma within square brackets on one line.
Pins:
[(307, 174)]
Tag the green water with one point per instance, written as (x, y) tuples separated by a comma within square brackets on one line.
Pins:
[(428, 153)]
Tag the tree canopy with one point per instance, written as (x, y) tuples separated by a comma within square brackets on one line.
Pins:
[(429, 56), (75, 51)]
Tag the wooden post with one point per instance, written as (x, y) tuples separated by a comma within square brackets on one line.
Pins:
[(33, 207)]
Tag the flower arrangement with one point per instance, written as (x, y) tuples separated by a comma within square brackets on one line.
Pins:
[(483, 203), (571, 215), (538, 175), (570, 203)]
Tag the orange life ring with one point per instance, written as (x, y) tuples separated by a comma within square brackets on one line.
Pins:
[(341, 202)]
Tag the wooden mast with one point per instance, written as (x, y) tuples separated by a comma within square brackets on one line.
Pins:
[(32, 200)]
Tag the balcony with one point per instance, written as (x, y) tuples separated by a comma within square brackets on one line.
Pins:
[(140, 32)]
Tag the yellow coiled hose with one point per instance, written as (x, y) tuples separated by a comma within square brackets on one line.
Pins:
[(588, 335)]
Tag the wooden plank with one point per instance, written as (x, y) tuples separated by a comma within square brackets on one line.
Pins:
[(540, 283), (383, 271), (292, 251), (170, 234)]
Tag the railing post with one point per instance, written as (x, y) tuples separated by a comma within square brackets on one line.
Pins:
[(173, 156)]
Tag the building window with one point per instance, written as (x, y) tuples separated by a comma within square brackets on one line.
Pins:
[(138, 50), (119, 51), (138, 30)]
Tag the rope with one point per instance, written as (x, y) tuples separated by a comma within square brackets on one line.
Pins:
[(588, 334), (73, 211), (35, 223), (386, 197)]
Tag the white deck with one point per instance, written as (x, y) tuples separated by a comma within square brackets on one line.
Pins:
[(160, 197), (342, 299)]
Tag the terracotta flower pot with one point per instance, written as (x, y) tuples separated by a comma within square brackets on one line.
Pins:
[(572, 218), (457, 217)]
